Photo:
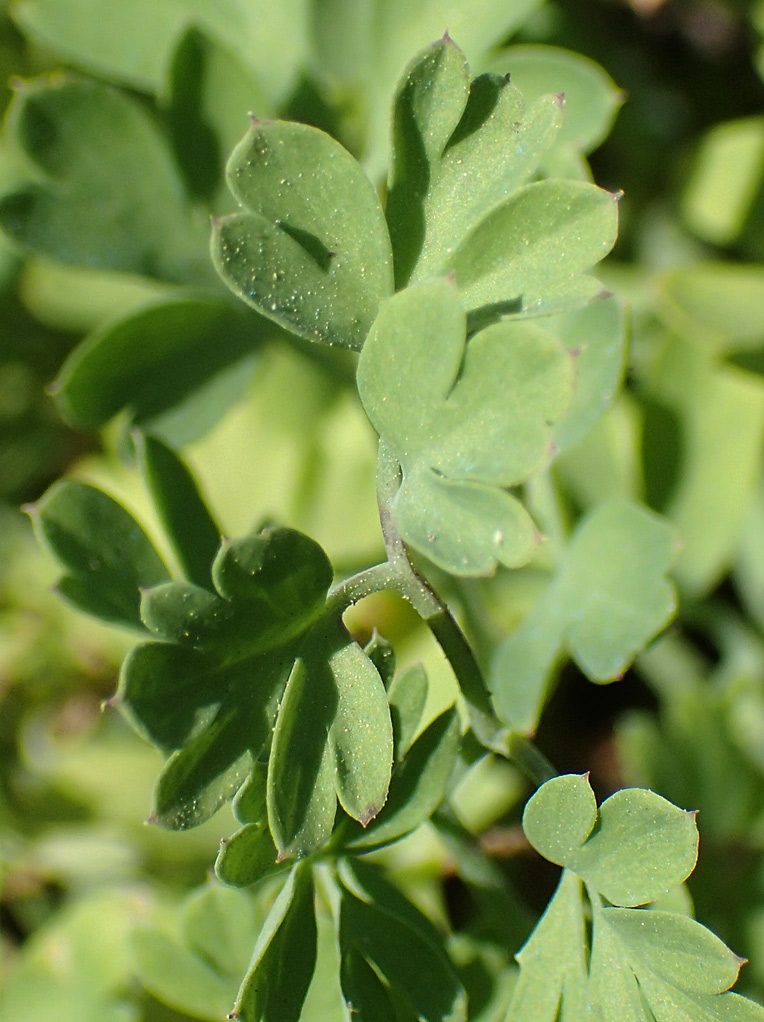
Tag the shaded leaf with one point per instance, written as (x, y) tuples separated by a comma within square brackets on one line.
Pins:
[(194, 534), (102, 160), (309, 250), (284, 957), (465, 421), (108, 557), (175, 366), (248, 856), (407, 695)]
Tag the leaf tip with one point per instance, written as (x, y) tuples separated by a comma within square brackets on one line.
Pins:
[(32, 510), (368, 815), (151, 821), (560, 97), (617, 196), (113, 702)]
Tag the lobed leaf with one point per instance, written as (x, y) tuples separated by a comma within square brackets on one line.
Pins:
[(608, 600), (633, 851), (641, 964), (465, 420), (108, 557), (310, 249), (101, 159)]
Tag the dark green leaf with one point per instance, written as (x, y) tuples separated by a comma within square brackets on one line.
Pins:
[(174, 366), (417, 970), (248, 856), (108, 557), (284, 957), (186, 519), (102, 161), (366, 996), (310, 249), (382, 655)]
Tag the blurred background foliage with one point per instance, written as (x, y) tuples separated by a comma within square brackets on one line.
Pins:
[(106, 918)]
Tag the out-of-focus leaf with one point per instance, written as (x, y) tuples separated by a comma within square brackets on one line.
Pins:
[(107, 556), (284, 958), (608, 600), (465, 420), (133, 44), (407, 695), (198, 971), (101, 160), (310, 248), (175, 366)]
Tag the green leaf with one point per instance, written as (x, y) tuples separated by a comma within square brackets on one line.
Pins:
[(174, 366), (361, 735), (418, 784), (108, 557), (592, 98), (248, 856), (407, 696), (101, 160), (533, 249), (596, 337), (414, 968), (382, 654), (552, 982), (186, 519), (465, 421), (310, 250), (633, 852), (301, 798), (459, 150), (366, 996), (608, 600), (133, 44), (210, 93), (198, 971), (333, 735), (284, 957)]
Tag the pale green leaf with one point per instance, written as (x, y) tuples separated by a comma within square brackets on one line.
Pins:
[(608, 600), (560, 817), (464, 420), (310, 248), (591, 97)]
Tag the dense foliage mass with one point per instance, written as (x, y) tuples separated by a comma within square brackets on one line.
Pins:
[(408, 557)]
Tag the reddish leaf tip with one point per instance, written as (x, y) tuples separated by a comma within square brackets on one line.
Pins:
[(30, 509), (254, 120), (151, 821), (368, 815), (560, 97)]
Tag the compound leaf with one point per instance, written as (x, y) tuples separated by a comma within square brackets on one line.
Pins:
[(644, 964), (102, 161), (609, 598), (284, 958), (465, 420), (310, 248), (107, 556)]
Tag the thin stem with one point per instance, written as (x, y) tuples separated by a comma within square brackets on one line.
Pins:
[(365, 583)]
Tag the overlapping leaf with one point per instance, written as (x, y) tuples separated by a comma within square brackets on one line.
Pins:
[(460, 202), (244, 664), (642, 964), (608, 600), (310, 248), (382, 934), (466, 420)]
